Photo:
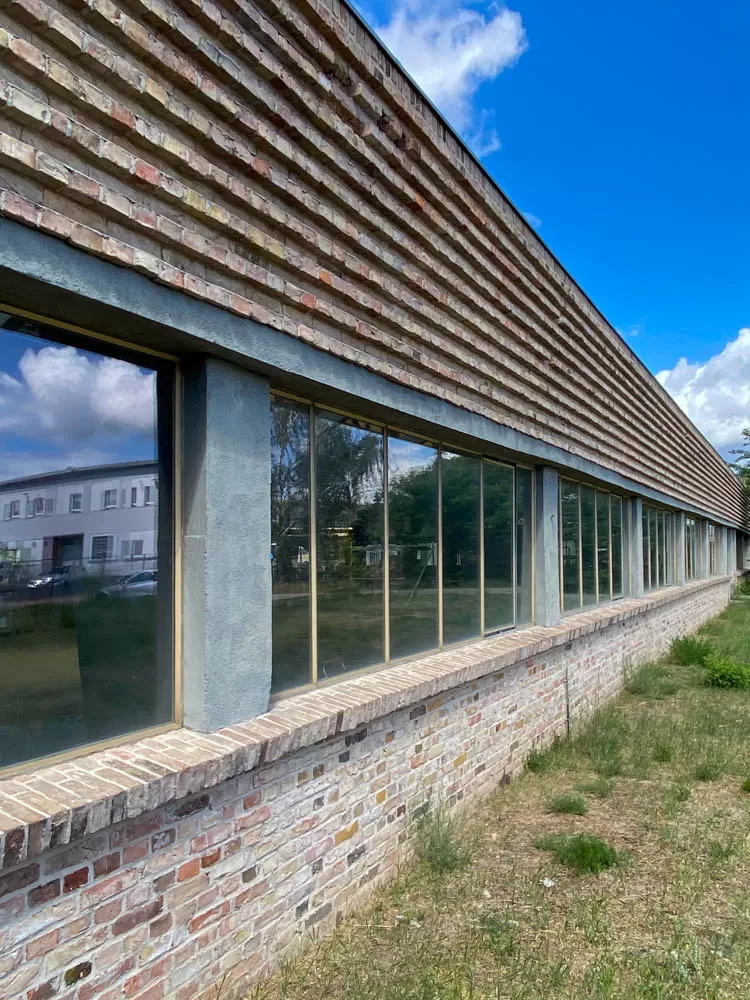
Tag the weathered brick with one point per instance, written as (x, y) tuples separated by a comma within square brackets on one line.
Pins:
[(138, 916), (44, 893), (19, 879)]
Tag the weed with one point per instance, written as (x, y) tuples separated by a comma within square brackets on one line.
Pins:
[(600, 787), (652, 683), (689, 651), (582, 852), (746, 785), (547, 759), (573, 805), (719, 850), (499, 934), (722, 672), (708, 770), (663, 753), (440, 845)]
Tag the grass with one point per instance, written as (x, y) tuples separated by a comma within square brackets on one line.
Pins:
[(570, 804), (643, 897), (582, 852)]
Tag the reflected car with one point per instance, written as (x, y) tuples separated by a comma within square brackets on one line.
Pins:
[(136, 585), (60, 580)]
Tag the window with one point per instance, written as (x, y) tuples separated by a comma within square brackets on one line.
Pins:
[(102, 546), (712, 550), (149, 495), (125, 548), (91, 659), (133, 496), (659, 548), (384, 545), (136, 547), (591, 540)]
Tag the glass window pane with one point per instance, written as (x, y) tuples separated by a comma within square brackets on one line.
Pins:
[(617, 583), (498, 545), (602, 543), (588, 544), (524, 545), (569, 531), (654, 548), (645, 522), (86, 641), (461, 597), (413, 529), (290, 543), (349, 506)]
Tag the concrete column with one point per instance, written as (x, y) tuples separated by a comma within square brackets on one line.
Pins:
[(731, 550), (703, 550), (679, 540), (547, 547), (722, 563), (634, 547), (226, 545)]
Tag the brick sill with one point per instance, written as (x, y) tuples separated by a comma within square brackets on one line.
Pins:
[(59, 803)]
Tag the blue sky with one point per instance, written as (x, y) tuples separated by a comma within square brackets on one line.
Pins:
[(61, 407), (624, 134)]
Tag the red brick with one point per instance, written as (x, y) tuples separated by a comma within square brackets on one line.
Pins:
[(18, 879), (41, 945), (43, 992), (107, 864), (136, 831), (108, 912), (44, 893), (208, 917), (138, 916), (188, 870), (74, 880), (160, 926), (135, 852), (147, 173), (211, 858)]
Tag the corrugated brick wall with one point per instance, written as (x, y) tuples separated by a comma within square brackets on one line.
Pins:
[(269, 158), (227, 882)]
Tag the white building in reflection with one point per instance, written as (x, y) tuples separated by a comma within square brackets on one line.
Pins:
[(102, 514)]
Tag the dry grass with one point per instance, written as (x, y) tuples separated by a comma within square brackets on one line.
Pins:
[(670, 921)]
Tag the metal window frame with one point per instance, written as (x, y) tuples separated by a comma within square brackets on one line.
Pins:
[(83, 335), (387, 430)]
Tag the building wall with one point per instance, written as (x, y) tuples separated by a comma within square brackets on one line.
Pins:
[(271, 159), (227, 880), (28, 534)]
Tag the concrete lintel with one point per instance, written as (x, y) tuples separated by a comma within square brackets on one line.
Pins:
[(226, 545), (547, 547)]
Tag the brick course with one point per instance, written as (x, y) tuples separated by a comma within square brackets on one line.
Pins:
[(228, 881), (269, 158)]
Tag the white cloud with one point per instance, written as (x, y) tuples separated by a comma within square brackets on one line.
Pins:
[(533, 220), (715, 394), (66, 397), (450, 51)]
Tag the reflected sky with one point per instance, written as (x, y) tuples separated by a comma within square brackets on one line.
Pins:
[(61, 406)]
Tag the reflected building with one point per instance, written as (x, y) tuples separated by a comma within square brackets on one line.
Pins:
[(101, 518)]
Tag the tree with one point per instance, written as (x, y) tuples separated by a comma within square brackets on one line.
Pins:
[(741, 465)]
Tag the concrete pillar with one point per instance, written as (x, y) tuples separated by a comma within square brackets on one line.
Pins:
[(633, 510), (226, 545), (731, 550), (547, 547), (679, 523), (722, 564), (704, 562)]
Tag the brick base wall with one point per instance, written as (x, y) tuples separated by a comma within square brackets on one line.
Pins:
[(224, 883)]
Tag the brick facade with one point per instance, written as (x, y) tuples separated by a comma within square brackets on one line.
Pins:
[(226, 880), (269, 158)]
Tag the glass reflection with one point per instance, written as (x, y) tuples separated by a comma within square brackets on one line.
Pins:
[(85, 539), (461, 595), (498, 546), (616, 514), (290, 544), (653, 538), (588, 544), (569, 527), (349, 506), (413, 530), (524, 529), (602, 543)]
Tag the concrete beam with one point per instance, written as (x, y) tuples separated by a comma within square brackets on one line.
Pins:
[(547, 547), (226, 545)]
